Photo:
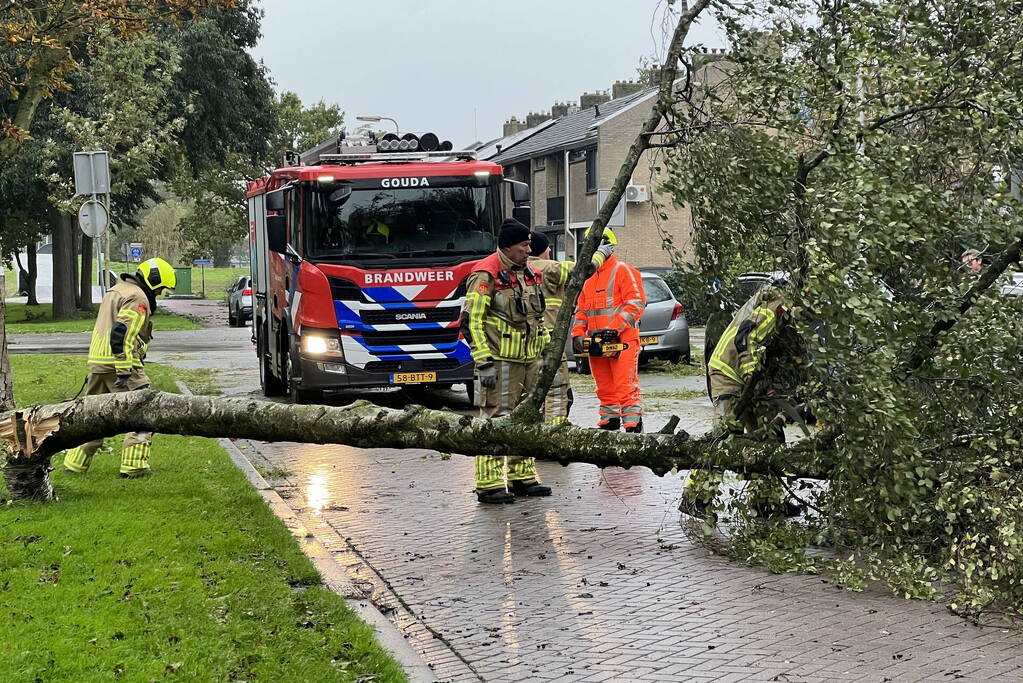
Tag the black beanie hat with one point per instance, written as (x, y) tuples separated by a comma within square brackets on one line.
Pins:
[(539, 242), (512, 232)]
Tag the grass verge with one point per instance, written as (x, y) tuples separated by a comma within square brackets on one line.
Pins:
[(185, 574), (25, 319), (677, 395)]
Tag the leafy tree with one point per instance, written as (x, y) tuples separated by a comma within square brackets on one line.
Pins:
[(44, 41), (861, 145)]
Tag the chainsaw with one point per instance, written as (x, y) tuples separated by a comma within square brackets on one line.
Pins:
[(604, 344)]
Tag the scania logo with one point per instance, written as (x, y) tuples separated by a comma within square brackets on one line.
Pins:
[(410, 316), (404, 182)]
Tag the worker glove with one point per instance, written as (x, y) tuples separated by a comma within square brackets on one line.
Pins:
[(577, 346), (606, 250), (488, 375), (122, 381)]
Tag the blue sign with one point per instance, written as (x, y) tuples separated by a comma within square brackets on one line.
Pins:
[(203, 262), (136, 253)]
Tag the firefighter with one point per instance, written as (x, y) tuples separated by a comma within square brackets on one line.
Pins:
[(555, 276), (503, 324), (120, 339), (608, 313), (735, 362)]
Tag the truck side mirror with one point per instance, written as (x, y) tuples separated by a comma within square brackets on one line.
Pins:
[(277, 234), (521, 214), (519, 192), (275, 200)]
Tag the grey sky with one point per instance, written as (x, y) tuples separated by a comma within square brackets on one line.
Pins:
[(457, 67)]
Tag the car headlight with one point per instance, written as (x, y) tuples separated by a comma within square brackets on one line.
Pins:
[(314, 345)]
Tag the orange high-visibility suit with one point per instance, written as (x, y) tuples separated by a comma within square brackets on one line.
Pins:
[(613, 298)]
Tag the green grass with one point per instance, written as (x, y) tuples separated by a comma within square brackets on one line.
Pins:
[(184, 575), (200, 381), (25, 319), (675, 369), (217, 279), (677, 395)]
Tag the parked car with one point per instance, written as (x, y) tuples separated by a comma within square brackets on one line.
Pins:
[(1015, 288), (239, 302), (663, 329)]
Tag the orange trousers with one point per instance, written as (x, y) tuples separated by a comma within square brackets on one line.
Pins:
[(617, 382)]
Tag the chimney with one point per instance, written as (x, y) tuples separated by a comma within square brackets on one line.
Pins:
[(590, 99), (513, 126), (624, 89), (536, 119), (559, 109)]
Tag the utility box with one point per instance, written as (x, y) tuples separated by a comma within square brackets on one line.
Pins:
[(183, 284)]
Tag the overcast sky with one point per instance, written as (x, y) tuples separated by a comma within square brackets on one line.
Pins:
[(459, 68)]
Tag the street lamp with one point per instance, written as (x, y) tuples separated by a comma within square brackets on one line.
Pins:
[(377, 119)]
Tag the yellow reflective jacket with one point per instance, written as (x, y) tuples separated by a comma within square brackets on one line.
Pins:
[(555, 277), (127, 304), (740, 350), (502, 318)]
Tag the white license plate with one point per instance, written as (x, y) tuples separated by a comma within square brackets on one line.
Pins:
[(413, 377)]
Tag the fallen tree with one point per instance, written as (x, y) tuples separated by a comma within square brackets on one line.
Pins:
[(41, 431)]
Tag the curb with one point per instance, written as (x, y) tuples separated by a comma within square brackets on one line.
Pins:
[(334, 576)]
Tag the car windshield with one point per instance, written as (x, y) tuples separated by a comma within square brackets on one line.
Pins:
[(390, 223), (656, 290)]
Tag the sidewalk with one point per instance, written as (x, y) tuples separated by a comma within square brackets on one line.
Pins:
[(598, 582)]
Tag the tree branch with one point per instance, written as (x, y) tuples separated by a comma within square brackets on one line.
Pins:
[(529, 410)]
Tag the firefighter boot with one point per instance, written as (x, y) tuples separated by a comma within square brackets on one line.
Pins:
[(636, 428), (495, 497), (521, 488)]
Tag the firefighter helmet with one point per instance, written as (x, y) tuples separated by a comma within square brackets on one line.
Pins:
[(609, 235), (156, 273)]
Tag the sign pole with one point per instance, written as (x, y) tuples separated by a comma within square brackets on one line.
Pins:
[(202, 274)]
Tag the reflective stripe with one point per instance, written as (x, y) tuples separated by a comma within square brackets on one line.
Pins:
[(566, 270), (609, 410), (611, 284), (489, 472), (477, 304), (765, 327)]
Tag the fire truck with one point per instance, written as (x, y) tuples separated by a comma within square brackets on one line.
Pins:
[(360, 249)]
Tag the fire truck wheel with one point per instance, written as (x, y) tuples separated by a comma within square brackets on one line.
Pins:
[(271, 385), (298, 395)]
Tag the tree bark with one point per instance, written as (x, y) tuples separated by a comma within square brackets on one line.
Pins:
[(40, 431), (529, 410), (31, 273), (26, 478), (85, 279), (63, 265)]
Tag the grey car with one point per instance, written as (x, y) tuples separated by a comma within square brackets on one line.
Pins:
[(663, 329), (239, 302)]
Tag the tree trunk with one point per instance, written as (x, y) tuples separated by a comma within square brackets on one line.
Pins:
[(26, 478), (64, 283), (85, 290), (31, 273), (39, 432)]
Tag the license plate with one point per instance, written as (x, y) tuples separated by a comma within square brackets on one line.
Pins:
[(413, 377), (647, 341), (613, 348)]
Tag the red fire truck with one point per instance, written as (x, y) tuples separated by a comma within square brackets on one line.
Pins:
[(360, 250)]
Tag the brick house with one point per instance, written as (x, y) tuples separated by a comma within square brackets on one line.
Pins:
[(591, 141)]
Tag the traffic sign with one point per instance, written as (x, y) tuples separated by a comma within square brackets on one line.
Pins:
[(135, 251), (203, 262), (92, 172), (93, 218)]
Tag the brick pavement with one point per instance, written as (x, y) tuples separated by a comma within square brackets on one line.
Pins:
[(598, 583)]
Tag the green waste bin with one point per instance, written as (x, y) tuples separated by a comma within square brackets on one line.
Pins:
[(183, 284)]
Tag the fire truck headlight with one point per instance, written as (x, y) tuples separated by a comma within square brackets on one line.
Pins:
[(314, 345)]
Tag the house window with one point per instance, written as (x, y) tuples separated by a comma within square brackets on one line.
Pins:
[(591, 170), (539, 163)]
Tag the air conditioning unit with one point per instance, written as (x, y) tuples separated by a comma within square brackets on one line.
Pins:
[(636, 193)]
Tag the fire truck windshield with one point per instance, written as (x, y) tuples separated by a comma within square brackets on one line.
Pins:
[(401, 223)]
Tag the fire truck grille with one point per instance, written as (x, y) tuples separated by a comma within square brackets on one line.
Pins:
[(425, 364), (411, 315), (405, 337)]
